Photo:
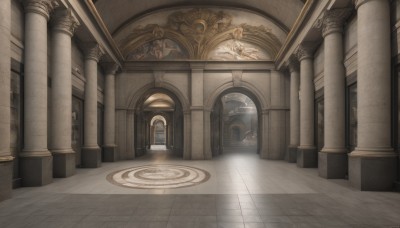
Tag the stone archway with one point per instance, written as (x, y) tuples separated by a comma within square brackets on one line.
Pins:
[(158, 105), (236, 121)]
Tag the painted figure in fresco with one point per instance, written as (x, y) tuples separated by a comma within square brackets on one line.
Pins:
[(236, 50), (162, 49)]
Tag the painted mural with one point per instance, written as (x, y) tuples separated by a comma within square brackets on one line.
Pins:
[(200, 34), (162, 49), (237, 50)]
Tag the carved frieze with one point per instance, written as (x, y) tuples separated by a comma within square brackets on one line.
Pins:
[(194, 34), (43, 7), (63, 21)]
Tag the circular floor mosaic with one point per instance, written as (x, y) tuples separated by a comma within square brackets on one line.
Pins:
[(159, 176)]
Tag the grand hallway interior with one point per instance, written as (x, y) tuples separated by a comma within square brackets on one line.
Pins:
[(243, 191)]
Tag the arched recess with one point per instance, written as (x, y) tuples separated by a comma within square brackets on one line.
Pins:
[(159, 131), (149, 105), (216, 123)]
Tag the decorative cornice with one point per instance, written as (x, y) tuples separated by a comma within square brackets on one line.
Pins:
[(42, 7), (293, 64), (333, 20), (110, 68), (305, 51), (93, 51), (64, 21)]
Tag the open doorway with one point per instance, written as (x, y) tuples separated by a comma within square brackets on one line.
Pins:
[(234, 124), (159, 124), (158, 133)]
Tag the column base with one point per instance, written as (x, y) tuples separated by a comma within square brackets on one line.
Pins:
[(63, 164), (6, 174), (332, 165), (291, 154), (91, 157), (36, 170), (140, 152), (307, 157), (372, 173), (109, 154)]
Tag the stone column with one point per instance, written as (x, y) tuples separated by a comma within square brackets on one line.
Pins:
[(91, 152), (263, 139), (64, 25), (187, 128), (197, 113), (294, 111), (36, 162), (6, 164), (207, 134), (307, 156), (109, 146), (372, 165), (332, 159)]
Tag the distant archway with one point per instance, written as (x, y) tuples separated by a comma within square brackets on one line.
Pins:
[(158, 122), (158, 134)]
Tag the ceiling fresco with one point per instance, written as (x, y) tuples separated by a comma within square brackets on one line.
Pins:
[(200, 34)]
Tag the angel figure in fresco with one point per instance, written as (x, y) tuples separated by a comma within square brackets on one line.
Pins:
[(236, 50)]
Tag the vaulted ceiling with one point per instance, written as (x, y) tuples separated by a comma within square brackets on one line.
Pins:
[(199, 29), (115, 13)]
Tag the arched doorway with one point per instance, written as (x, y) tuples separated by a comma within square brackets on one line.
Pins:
[(158, 123), (235, 123), (158, 133)]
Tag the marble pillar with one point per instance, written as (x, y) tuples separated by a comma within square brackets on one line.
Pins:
[(91, 152), (187, 140), (63, 27), (291, 155), (372, 165), (197, 113), (207, 134), (6, 159), (307, 156), (109, 147), (332, 159), (36, 162), (263, 140)]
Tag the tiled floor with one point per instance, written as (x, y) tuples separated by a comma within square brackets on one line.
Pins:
[(243, 191)]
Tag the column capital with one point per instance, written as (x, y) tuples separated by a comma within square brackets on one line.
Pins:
[(42, 7), (358, 3), (63, 21), (305, 51), (293, 64), (93, 51), (333, 20), (110, 67)]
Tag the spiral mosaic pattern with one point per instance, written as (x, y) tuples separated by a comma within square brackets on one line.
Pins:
[(159, 177)]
